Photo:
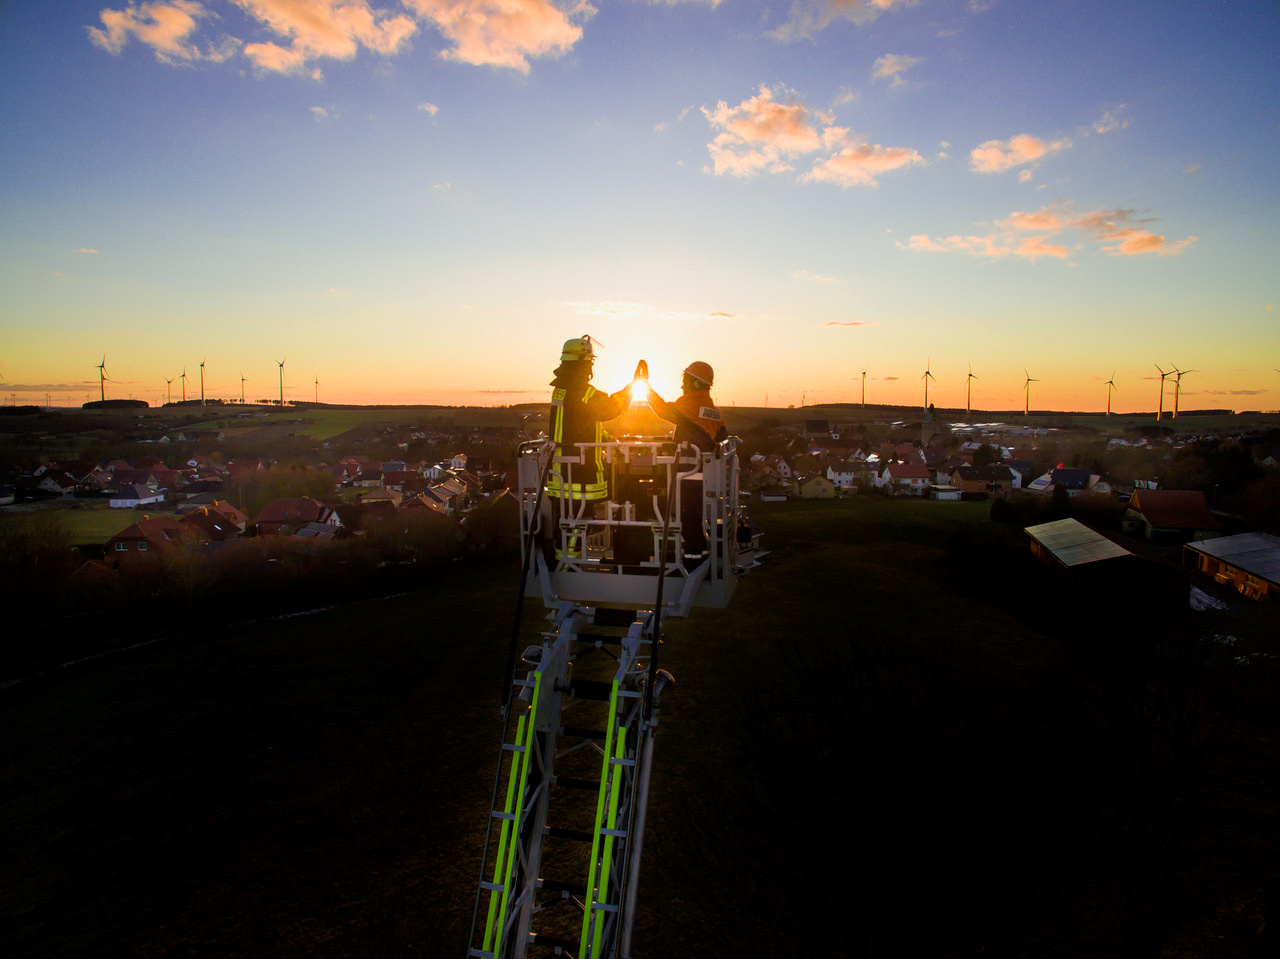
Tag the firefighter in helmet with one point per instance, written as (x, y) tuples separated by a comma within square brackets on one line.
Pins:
[(578, 412), (697, 422), (696, 418)]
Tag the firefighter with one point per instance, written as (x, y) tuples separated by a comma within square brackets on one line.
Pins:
[(578, 412), (698, 422), (696, 418)]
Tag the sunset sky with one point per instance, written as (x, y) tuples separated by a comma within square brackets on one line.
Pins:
[(418, 201)]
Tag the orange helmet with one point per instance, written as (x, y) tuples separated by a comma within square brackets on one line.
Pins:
[(701, 371)]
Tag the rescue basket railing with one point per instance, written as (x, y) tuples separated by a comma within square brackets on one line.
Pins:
[(604, 549)]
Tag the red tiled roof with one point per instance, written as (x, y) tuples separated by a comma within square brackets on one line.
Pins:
[(1174, 508)]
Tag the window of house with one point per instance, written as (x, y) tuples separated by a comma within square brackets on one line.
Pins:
[(122, 547)]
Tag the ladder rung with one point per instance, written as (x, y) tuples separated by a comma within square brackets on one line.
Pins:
[(607, 616), (591, 689), (566, 888), (579, 733), (555, 942), (559, 832), (572, 782)]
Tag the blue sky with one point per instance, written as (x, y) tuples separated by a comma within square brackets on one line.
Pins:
[(419, 200)]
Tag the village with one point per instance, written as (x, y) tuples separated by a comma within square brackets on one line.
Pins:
[(194, 489)]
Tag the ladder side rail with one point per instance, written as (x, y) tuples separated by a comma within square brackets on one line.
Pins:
[(602, 797), (636, 824), (496, 930)]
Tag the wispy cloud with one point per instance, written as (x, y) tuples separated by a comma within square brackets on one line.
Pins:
[(621, 310), (850, 323), (808, 17), (996, 156), (428, 108), (86, 249), (1117, 232), (892, 66), (1111, 120), (813, 277), (772, 132)]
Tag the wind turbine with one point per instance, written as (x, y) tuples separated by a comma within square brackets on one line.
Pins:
[(280, 363), (102, 378), (202, 382), (184, 384), (1111, 385), (242, 389), (1026, 410), (168, 389), (927, 377), (864, 385), (317, 388), (1163, 374), (968, 396), (1177, 387)]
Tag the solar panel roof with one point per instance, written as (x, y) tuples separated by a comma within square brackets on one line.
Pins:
[(1074, 544)]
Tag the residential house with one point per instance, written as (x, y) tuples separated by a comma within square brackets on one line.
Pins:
[(213, 526), (1020, 471), (133, 496), (989, 480), (1170, 515), (1075, 481), (285, 516), (817, 487), (842, 473), (906, 479), (57, 481), (143, 541), (392, 496)]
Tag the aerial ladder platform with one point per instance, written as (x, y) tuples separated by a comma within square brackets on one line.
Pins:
[(566, 828)]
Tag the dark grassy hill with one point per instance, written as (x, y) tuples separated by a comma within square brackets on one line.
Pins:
[(891, 744)]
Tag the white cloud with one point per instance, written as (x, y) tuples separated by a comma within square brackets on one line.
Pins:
[(996, 156), (764, 134), (504, 33), (428, 108), (166, 27), (294, 34)]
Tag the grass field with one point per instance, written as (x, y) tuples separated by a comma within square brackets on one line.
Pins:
[(862, 755), (87, 522)]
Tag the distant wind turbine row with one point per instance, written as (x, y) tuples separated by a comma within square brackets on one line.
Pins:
[(103, 379), (1173, 371)]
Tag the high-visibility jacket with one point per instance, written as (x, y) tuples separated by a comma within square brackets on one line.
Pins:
[(578, 411)]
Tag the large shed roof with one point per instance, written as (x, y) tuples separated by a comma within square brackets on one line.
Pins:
[(1256, 553), (1073, 544)]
